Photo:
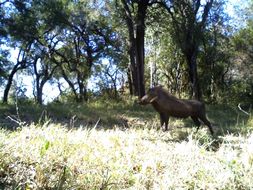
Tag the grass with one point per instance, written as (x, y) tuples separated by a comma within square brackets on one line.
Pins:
[(61, 147), (109, 113), (226, 119), (54, 157)]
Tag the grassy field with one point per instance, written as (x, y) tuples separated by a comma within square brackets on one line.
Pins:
[(115, 145)]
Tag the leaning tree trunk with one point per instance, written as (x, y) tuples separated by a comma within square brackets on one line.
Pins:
[(8, 87), (15, 69)]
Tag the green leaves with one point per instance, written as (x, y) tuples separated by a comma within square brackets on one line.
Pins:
[(44, 148)]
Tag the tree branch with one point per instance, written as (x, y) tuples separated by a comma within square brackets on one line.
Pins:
[(239, 106), (207, 8), (197, 7)]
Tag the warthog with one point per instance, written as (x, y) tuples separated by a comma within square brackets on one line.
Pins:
[(167, 105)]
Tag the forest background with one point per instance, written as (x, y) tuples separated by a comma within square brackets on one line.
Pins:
[(194, 49)]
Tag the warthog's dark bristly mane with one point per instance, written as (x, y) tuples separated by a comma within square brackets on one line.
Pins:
[(165, 92)]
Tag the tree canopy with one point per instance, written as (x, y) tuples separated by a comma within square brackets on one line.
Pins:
[(122, 47)]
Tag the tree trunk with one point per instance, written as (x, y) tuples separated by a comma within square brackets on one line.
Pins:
[(115, 94), (136, 44), (193, 74), (133, 84), (133, 67), (190, 23), (70, 84), (16, 68), (40, 82), (130, 83), (39, 99), (140, 37), (8, 86), (83, 93)]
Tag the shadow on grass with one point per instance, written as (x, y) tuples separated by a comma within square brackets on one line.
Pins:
[(110, 114), (225, 120), (107, 114), (228, 119)]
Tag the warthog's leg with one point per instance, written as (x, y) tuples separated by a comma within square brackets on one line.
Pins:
[(164, 118), (206, 122), (196, 121), (161, 120)]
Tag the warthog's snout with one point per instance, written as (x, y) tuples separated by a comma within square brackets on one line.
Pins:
[(143, 100), (147, 99)]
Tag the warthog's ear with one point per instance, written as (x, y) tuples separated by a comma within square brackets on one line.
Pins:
[(153, 99)]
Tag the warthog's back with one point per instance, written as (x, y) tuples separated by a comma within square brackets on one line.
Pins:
[(178, 107)]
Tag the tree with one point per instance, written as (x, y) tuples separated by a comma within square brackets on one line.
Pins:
[(135, 20), (215, 54), (163, 54), (4, 65), (243, 61), (189, 22), (21, 63), (86, 39), (109, 77), (4, 53), (33, 27), (18, 23)]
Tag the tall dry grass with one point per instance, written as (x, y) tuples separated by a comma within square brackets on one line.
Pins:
[(54, 157)]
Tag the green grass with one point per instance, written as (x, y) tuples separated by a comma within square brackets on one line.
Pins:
[(226, 119), (109, 113), (63, 146)]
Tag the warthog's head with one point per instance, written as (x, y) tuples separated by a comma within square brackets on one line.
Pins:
[(150, 97)]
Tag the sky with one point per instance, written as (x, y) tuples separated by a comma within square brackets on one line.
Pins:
[(232, 9), (51, 91)]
